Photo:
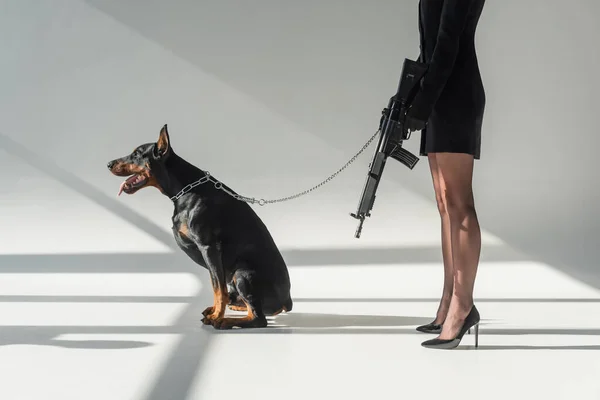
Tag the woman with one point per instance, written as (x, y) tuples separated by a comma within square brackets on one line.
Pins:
[(448, 109)]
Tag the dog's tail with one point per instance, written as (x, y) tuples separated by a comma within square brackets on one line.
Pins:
[(276, 305), (288, 304)]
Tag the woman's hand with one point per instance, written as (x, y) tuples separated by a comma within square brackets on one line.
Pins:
[(413, 122)]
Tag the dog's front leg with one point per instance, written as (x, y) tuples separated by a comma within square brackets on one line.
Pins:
[(212, 256)]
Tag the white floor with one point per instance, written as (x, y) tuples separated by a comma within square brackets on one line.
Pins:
[(348, 348), (350, 335), (112, 313)]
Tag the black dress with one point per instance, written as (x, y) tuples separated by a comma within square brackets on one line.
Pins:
[(452, 96)]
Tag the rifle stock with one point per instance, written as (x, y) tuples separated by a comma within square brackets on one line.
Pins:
[(392, 134)]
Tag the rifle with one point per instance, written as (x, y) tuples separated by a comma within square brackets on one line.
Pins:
[(393, 133)]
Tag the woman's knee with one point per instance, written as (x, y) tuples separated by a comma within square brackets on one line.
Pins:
[(458, 206)]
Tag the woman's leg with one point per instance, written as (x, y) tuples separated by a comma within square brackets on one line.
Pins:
[(456, 175), (446, 243)]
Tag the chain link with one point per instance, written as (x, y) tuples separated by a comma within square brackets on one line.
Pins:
[(262, 202)]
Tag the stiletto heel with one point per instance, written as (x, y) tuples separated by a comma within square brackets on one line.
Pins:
[(472, 320)]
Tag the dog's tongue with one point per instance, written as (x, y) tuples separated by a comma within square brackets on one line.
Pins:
[(129, 181), (132, 180), (121, 188)]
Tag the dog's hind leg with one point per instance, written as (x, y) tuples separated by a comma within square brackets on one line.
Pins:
[(249, 292), (235, 301)]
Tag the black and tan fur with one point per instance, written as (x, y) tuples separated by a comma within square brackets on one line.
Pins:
[(218, 232)]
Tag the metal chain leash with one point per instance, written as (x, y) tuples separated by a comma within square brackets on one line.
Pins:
[(262, 202)]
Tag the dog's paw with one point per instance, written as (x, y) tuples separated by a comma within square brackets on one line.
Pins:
[(213, 319), (223, 323), (208, 311)]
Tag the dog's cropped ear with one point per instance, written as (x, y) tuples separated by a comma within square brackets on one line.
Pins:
[(163, 144)]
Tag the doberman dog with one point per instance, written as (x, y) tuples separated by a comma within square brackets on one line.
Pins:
[(217, 231)]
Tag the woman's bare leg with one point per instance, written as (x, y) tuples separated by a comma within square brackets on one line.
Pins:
[(456, 175), (446, 243)]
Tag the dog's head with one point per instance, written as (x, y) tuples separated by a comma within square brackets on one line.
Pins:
[(143, 165)]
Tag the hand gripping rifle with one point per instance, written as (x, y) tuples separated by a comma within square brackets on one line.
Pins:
[(392, 134)]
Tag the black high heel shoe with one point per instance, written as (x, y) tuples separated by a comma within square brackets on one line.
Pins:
[(430, 328), (434, 328), (472, 320)]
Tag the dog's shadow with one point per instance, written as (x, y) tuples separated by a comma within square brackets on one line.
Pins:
[(311, 320)]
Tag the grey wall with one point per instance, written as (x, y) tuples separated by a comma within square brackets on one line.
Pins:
[(290, 90)]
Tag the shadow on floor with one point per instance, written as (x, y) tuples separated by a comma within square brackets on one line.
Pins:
[(387, 255), (177, 261), (309, 320), (82, 344), (510, 347), (100, 263)]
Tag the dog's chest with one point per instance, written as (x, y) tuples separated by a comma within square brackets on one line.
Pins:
[(181, 230), (189, 229)]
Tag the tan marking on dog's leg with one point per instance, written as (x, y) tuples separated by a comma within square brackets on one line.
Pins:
[(221, 298), (210, 310)]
